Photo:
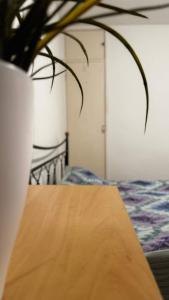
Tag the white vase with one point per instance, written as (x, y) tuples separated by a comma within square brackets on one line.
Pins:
[(16, 132)]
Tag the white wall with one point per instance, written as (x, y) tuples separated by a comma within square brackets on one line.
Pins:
[(131, 154), (50, 106)]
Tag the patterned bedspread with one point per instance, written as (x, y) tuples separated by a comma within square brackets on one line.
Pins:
[(147, 203)]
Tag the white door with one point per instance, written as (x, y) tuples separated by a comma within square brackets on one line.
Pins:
[(87, 131)]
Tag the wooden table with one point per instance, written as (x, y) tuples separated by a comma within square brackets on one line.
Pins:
[(77, 243)]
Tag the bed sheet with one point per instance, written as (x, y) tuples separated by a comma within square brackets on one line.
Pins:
[(147, 203)]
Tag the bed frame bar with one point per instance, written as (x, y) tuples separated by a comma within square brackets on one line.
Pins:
[(51, 166)]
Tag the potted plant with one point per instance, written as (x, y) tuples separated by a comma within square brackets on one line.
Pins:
[(26, 28)]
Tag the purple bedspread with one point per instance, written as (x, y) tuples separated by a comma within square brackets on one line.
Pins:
[(147, 203)]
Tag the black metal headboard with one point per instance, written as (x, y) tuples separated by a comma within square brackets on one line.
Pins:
[(52, 170)]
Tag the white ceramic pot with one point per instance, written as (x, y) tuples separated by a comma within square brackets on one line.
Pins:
[(16, 132)]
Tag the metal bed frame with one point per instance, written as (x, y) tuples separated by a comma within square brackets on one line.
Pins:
[(49, 168)]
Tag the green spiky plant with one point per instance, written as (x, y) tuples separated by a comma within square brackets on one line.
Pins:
[(21, 44)]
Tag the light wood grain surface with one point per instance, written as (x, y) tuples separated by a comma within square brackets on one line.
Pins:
[(77, 243)]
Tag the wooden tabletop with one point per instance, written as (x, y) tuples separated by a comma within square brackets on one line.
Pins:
[(77, 243)]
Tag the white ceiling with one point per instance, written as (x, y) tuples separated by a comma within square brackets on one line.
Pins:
[(160, 16)]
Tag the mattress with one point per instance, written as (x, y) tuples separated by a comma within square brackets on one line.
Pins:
[(147, 203)]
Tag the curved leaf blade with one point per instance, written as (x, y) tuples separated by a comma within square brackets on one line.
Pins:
[(49, 77), (40, 69), (133, 54), (71, 71), (80, 8), (115, 11), (79, 43), (53, 64), (121, 10)]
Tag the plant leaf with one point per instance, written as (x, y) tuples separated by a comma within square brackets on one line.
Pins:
[(49, 77), (147, 8), (132, 52), (57, 10), (12, 11), (27, 35), (121, 10), (53, 63), (71, 71), (40, 69), (80, 44), (135, 10), (79, 9), (118, 10), (25, 8)]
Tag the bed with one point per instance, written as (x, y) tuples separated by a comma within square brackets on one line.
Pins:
[(147, 203), (50, 167)]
